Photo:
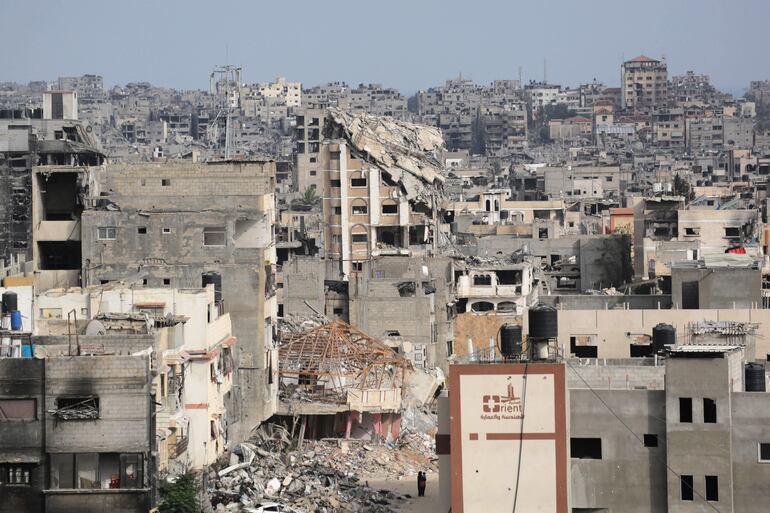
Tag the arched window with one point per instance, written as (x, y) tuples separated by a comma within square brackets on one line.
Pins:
[(358, 234), (359, 207), (506, 306), (489, 206), (482, 306), (482, 279)]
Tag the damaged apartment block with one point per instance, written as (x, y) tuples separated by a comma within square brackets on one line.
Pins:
[(47, 165)]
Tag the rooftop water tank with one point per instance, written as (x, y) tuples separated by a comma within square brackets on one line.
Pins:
[(510, 340), (543, 322)]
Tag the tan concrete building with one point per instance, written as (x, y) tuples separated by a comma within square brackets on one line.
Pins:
[(644, 84)]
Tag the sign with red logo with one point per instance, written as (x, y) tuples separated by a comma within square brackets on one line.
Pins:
[(498, 407)]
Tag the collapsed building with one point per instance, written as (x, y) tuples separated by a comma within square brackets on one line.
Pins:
[(382, 205), (334, 375)]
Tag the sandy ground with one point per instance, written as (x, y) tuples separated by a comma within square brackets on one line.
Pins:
[(427, 504)]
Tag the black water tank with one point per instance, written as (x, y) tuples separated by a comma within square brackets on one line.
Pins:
[(510, 340), (10, 302), (755, 377), (663, 335), (543, 322)]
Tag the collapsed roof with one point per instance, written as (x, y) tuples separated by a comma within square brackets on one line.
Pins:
[(337, 356), (409, 153)]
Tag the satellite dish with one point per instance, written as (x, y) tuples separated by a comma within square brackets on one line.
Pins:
[(95, 328)]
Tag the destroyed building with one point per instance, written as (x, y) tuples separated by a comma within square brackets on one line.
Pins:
[(334, 375), (188, 225), (47, 175)]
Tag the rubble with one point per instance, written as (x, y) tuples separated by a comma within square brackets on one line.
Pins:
[(320, 476), (299, 322), (408, 152)]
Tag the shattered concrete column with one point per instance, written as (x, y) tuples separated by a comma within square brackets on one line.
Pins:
[(349, 424)]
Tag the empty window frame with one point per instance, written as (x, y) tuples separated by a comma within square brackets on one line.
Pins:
[(76, 408), (731, 232), (763, 452), (389, 208), (14, 410), (650, 440), (585, 448), (712, 488), (106, 233), (358, 238), (214, 236), (15, 474), (357, 266), (358, 210), (692, 231), (165, 182), (685, 487), (141, 230), (358, 181), (709, 411), (685, 409), (166, 230)]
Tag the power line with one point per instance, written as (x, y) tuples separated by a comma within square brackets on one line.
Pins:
[(692, 488), (521, 436)]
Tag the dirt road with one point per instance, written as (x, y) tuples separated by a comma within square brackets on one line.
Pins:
[(427, 504)]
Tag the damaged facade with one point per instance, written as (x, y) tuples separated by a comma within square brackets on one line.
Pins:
[(190, 225), (48, 164)]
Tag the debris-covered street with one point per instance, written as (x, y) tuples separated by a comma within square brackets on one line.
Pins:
[(320, 476)]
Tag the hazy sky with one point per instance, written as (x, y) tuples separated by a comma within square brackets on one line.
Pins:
[(408, 44)]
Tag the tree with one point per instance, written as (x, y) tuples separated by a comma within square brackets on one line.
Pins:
[(181, 496), (309, 197)]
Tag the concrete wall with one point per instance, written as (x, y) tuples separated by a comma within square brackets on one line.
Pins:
[(751, 426), (719, 287), (122, 384), (629, 477), (97, 501), (696, 448), (615, 330)]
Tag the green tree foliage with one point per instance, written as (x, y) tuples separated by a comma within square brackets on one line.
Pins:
[(180, 496), (309, 197)]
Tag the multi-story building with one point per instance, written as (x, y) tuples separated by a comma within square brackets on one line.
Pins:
[(308, 134), (186, 225), (644, 84), (47, 175), (668, 127), (77, 434), (190, 339)]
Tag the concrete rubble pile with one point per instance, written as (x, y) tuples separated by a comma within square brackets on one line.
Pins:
[(300, 322), (408, 152), (318, 476)]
